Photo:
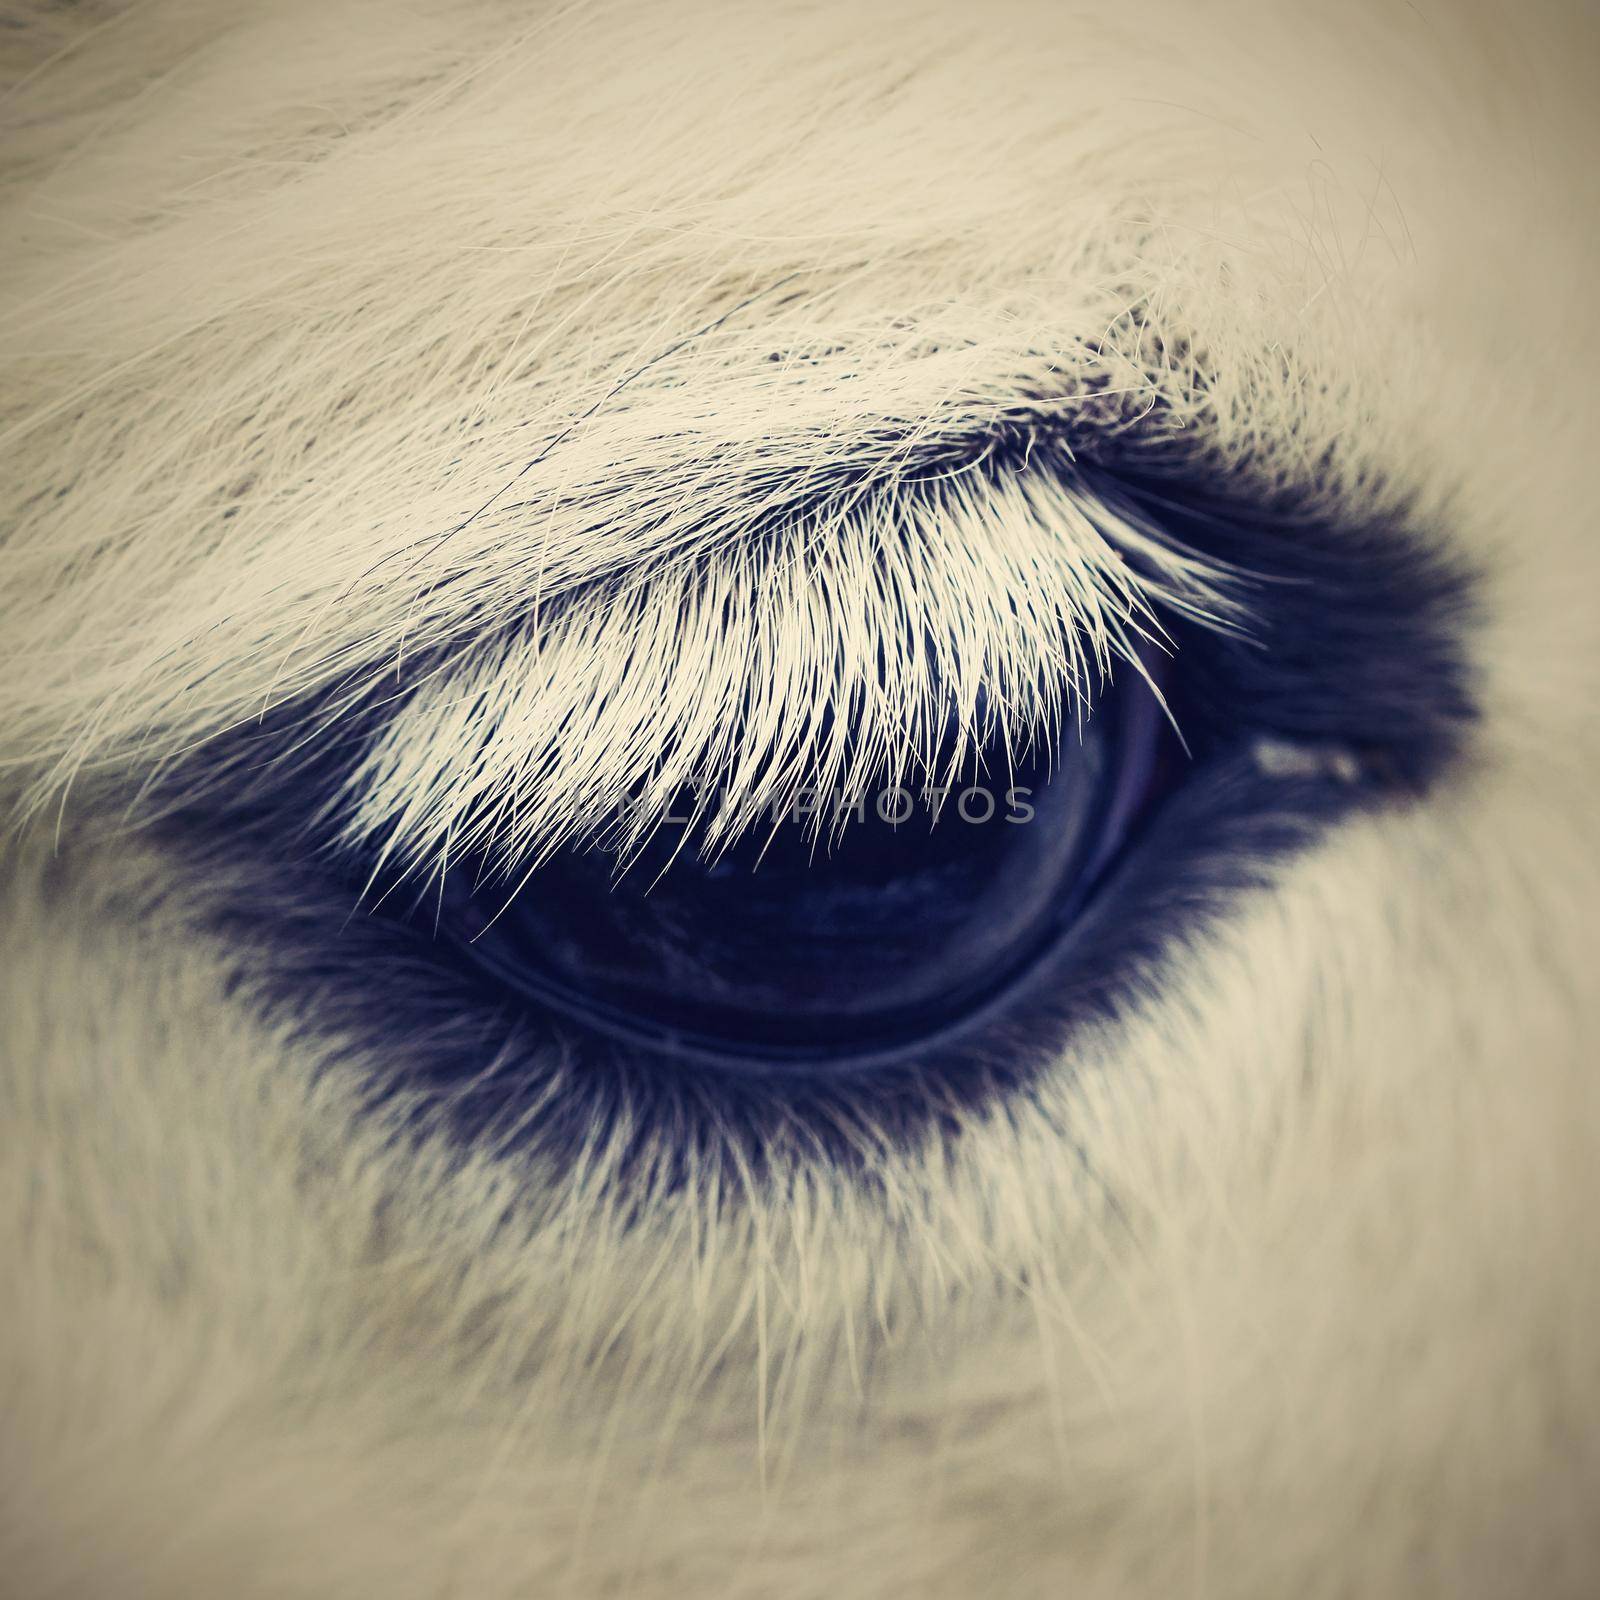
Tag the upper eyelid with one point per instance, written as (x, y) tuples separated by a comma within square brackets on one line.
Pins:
[(919, 428), (354, 533)]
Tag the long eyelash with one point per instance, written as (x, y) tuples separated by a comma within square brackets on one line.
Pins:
[(300, 546), (885, 642)]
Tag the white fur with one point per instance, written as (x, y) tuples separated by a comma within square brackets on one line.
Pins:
[(336, 336)]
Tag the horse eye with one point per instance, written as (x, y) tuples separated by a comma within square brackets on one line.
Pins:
[(833, 934)]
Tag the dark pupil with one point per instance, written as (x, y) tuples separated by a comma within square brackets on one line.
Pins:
[(801, 943)]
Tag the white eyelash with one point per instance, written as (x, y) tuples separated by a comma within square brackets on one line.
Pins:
[(710, 487), (843, 649)]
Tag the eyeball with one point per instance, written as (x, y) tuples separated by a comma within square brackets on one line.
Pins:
[(839, 931)]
